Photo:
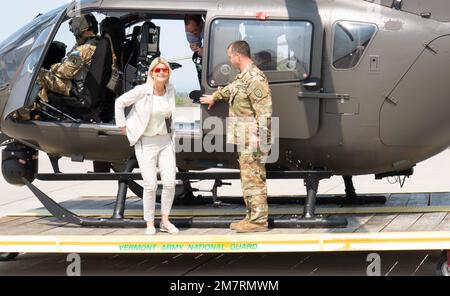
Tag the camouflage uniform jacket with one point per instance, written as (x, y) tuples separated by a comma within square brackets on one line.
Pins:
[(70, 73), (250, 103)]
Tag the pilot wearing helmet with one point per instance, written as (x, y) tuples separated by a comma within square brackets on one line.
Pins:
[(67, 78)]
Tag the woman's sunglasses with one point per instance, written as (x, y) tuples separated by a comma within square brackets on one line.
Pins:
[(159, 70)]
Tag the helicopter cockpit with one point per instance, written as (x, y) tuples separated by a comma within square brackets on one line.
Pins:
[(129, 42)]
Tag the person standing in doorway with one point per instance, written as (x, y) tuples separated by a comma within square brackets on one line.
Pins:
[(149, 128)]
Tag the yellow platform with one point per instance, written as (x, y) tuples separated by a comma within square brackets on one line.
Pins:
[(261, 243), (405, 222)]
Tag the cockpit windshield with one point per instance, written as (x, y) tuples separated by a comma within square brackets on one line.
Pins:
[(30, 29), (16, 47)]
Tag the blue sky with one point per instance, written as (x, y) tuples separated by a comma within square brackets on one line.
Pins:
[(17, 13)]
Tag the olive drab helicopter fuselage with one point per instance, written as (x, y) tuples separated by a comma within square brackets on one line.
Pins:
[(358, 86)]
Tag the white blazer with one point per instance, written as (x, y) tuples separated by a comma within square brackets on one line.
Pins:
[(141, 98)]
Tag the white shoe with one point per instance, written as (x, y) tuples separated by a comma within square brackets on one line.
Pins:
[(171, 229), (150, 230)]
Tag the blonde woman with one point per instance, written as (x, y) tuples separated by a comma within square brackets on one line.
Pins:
[(149, 128)]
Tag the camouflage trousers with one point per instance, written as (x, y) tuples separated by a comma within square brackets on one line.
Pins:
[(254, 187)]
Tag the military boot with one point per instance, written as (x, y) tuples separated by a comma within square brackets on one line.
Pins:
[(236, 225), (245, 220), (251, 227)]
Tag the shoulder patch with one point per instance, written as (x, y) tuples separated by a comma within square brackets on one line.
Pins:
[(258, 93), (75, 58)]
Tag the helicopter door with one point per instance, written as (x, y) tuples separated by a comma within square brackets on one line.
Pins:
[(21, 55), (418, 105), (283, 49)]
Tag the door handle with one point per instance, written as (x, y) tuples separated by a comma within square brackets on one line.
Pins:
[(318, 95), (310, 84)]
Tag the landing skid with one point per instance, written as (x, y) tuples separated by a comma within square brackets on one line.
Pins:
[(308, 219), (4, 257), (187, 197), (351, 197), (362, 200), (314, 222), (321, 200), (201, 222)]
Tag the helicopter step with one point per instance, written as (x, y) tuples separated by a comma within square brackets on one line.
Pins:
[(126, 179)]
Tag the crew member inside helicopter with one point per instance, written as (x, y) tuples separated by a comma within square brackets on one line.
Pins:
[(78, 84), (67, 78), (194, 27)]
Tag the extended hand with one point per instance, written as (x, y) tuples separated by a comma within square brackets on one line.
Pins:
[(207, 100)]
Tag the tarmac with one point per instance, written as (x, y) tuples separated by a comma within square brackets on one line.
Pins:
[(211, 265)]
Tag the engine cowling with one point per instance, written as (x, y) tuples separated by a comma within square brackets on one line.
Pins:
[(19, 161)]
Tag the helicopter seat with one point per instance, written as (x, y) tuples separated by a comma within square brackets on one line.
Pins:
[(112, 29), (89, 103)]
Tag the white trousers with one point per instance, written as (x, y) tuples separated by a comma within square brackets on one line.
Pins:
[(153, 152)]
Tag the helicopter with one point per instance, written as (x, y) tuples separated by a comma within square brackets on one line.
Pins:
[(358, 86)]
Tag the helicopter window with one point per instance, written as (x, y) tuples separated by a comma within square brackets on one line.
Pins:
[(282, 49), (29, 30), (15, 48), (13, 59), (350, 41), (36, 52)]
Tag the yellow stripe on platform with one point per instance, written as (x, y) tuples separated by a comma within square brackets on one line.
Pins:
[(249, 243), (205, 212)]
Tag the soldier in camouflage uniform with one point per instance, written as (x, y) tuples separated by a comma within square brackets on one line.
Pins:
[(250, 103), (67, 78)]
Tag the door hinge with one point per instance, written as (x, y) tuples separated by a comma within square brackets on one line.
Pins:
[(431, 48), (393, 100)]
